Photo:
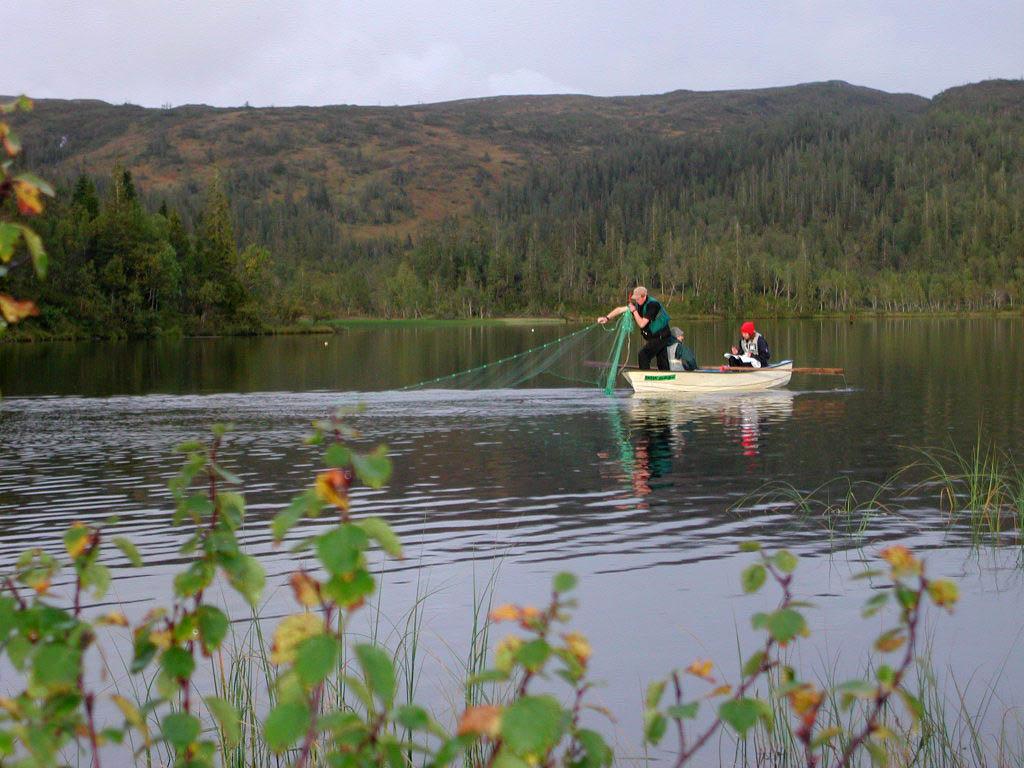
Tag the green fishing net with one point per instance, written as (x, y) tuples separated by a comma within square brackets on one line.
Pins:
[(591, 356)]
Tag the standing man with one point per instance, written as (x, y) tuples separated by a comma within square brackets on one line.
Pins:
[(653, 321)]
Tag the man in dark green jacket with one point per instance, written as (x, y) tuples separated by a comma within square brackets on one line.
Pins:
[(653, 321)]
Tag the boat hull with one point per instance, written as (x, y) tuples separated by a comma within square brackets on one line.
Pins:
[(710, 380)]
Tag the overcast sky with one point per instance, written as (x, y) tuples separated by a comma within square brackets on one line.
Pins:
[(407, 51)]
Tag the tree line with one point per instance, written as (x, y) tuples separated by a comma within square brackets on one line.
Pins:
[(815, 212)]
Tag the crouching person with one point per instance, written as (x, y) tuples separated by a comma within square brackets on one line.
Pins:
[(680, 356)]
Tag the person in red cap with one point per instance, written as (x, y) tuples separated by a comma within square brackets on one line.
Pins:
[(752, 351)]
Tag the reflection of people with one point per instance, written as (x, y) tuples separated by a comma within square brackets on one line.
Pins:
[(653, 321), (752, 351), (680, 356)]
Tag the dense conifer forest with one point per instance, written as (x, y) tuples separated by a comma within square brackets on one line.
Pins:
[(811, 199)]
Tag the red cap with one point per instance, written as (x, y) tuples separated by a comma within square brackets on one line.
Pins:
[(747, 327)]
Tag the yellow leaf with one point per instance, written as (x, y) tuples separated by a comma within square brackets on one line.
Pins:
[(14, 310), (506, 612), (944, 593), (30, 202), (132, 716), (504, 653), (10, 706), (901, 559), (290, 632), (161, 638), (332, 487), (113, 619), (722, 690), (701, 669), (890, 641), (484, 720), (305, 588), (578, 645), (805, 699)]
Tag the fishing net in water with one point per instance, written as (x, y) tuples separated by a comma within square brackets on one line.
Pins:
[(592, 356)]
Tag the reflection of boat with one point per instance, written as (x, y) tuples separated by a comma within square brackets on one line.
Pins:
[(680, 407), (711, 380)]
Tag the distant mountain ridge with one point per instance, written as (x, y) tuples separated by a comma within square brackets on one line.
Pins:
[(415, 164)]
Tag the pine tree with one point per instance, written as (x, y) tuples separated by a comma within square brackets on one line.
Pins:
[(216, 257)]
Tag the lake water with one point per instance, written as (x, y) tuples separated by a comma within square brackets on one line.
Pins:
[(645, 499)]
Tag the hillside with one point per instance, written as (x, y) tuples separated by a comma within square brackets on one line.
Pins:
[(823, 197), (385, 171)]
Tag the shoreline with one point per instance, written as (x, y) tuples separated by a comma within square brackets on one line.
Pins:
[(16, 335)]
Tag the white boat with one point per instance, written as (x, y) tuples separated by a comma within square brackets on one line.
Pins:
[(710, 379)]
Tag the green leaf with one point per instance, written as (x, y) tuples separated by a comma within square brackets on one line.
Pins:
[(6, 744), (35, 247), (337, 455), (56, 667), (232, 508), (9, 236), (912, 703), (564, 582), (285, 724), (785, 561), (683, 711), (177, 663), (870, 573), (753, 665), (533, 725), (213, 626), (341, 549), (785, 624), (378, 530), (740, 713), (875, 604), (246, 575), (316, 657), (655, 691), (128, 550), (750, 546), (350, 589), (180, 729), (307, 503), (378, 672), (506, 759), (533, 654), (374, 469), (655, 726), (193, 579), (753, 577), (227, 718), (596, 753), (96, 578), (885, 674), (412, 717)]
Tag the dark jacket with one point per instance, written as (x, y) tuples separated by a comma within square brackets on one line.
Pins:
[(756, 347), (658, 327)]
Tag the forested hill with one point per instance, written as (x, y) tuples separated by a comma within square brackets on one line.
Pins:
[(817, 197), (386, 170)]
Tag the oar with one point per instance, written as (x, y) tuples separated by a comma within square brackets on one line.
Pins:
[(818, 371), (821, 371), (738, 369)]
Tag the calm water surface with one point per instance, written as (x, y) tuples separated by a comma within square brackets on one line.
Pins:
[(645, 499)]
